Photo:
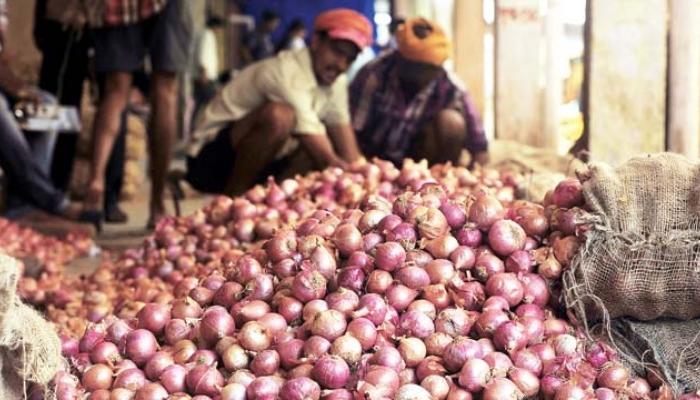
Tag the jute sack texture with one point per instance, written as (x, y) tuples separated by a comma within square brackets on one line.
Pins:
[(30, 350), (641, 262)]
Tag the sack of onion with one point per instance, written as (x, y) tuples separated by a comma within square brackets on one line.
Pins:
[(30, 350), (641, 261)]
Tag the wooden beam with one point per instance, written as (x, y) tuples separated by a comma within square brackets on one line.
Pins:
[(518, 68), (469, 27), (626, 78), (684, 78)]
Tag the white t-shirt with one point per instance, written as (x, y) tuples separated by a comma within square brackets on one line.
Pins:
[(286, 78)]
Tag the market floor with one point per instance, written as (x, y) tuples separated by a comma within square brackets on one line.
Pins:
[(119, 237)]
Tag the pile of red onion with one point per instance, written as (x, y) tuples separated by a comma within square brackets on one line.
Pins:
[(372, 283)]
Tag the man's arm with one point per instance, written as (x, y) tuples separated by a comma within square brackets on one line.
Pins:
[(321, 150), (13, 86), (343, 138)]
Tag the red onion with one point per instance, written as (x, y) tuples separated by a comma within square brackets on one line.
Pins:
[(613, 376), (315, 347), (173, 378), (565, 249), (526, 381), (378, 281), (506, 285), (442, 246), (520, 261), (373, 307), (263, 388), (300, 389), (423, 306), (132, 379), (389, 256), (388, 357), (414, 323), (550, 268), (412, 392), (441, 298), (312, 308), (553, 327), (93, 335), (459, 351), (259, 288), (530, 310), (364, 331), (352, 278), (331, 372), (400, 296), (141, 345), (234, 358), (550, 384), (489, 321), (440, 271), (487, 265), (534, 329), (469, 236), (474, 375), (266, 362), (324, 262), (413, 277), (569, 391), (245, 269), (254, 336), (528, 360), (249, 310), (485, 211), (290, 308), (604, 394), (343, 300), (105, 353), (468, 295), (204, 380), (348, 348), (385, 381), (412, 350), (152, 391), (309, 285), (117, 331), (430, 365), (157, 364), (329, 324), (204, 356), (510, 336), (454, 322), (404, 234), (565, 345), (544, 351), (506, 237), (454, 214), (216, 323), (638, 387), (431, 223), (437, 386), (500, 363), (99, 376), (501, 389), (598, 354), (568, 193)]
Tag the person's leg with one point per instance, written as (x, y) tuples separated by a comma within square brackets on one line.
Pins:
[(162, 135), (114, 175), (262, 133), (106, 127), (442, 139), (169, 44)]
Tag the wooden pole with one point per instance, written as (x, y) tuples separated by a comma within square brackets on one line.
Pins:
[(684, 78)]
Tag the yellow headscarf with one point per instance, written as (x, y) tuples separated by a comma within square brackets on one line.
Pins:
[(433, 49)]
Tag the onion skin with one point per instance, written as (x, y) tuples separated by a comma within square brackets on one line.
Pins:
[(331, 372)]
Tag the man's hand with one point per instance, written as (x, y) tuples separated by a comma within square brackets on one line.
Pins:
[(321, 150), (343, 138)]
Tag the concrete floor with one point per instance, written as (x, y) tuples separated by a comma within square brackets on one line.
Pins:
[(116, 238)]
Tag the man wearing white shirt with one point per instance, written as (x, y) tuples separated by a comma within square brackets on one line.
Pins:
[(295, 101)]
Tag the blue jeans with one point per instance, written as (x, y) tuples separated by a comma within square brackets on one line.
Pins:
[(26, 169)]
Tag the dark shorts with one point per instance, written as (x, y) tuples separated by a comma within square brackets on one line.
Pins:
[(166, 38), (210, 169)]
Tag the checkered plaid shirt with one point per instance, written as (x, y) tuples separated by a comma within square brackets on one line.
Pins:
[(386, 122), (105, 13)]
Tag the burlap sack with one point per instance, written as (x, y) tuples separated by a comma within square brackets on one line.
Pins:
[(30, 350), (641, 261)]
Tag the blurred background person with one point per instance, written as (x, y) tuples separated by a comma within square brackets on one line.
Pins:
[(405, 104), (295, 36), (258, 44), (123, 37), (205, 83)]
